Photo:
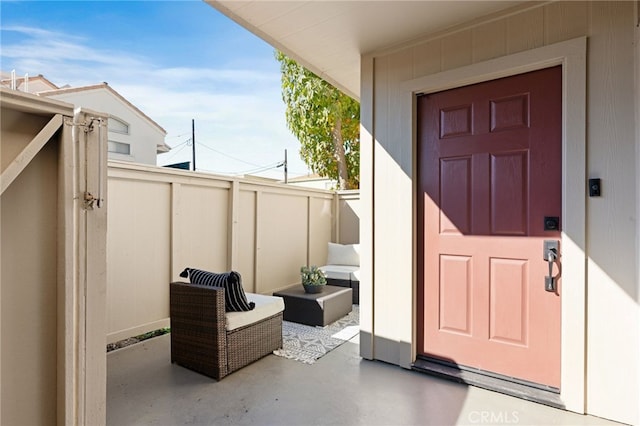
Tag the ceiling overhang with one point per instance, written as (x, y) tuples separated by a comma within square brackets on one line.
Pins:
[(329, 37)]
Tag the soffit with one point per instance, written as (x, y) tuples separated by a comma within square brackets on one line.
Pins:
[(329, 37)]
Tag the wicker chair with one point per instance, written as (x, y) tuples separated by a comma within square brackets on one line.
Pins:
[(200, 341)]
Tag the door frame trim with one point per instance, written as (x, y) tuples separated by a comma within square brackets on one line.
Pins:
[(572, 55)]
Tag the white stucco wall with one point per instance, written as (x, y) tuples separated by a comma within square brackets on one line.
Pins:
[(610, 314), (143, 137)]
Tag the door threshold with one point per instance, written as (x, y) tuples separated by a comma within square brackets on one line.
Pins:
[(489, 382)]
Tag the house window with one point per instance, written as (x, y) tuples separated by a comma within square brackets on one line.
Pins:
[(119, 147), (118, 126)]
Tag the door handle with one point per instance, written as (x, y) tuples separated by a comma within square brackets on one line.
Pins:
[(550, 254)]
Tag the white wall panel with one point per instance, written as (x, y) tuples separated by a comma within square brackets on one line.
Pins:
[(612, 227), (525, 30), (566, 20), (456, 50), (426, 58), (489, 41), (392, 183)]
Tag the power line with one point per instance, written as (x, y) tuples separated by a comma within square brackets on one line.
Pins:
[(256, 167), (181, 143), (256, 170), (174, 153), (177, 136), (262, 168), (229, 156)]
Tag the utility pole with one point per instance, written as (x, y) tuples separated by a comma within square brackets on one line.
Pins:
[(193, 142), (285, 166)]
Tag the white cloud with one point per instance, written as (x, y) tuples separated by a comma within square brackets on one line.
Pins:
[(68, 52), (227, 76), (238, 112)]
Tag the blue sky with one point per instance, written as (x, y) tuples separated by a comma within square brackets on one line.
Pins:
[(176, 61)]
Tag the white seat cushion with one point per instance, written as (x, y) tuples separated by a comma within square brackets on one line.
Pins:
[(339, 272), (355, 275), (266, 306), (343, 254)]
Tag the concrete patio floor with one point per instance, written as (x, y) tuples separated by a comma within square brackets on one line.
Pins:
[(144, 388)]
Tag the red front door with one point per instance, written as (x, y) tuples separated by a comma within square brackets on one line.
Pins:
[(489, 178)]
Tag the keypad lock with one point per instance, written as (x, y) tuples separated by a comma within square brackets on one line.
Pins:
[(551, 254)]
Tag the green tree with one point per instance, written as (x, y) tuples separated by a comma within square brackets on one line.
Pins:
[(325, 121)]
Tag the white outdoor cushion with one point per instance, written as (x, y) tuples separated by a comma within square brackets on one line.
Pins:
[(355, 275), (266, 306), (343, 254), (339, 272)]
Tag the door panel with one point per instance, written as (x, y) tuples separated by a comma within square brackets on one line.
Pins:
[(509, 183), (508, 302), (489, 169), (455, 187), (455, 300)]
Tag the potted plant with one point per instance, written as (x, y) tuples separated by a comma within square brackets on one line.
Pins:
[(313, 279)]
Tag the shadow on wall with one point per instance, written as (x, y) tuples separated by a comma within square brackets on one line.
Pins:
[(349, 225)]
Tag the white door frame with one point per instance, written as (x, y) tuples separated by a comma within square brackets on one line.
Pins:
[(572, 56)]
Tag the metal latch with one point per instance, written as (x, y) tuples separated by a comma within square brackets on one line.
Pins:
[(89, 200)]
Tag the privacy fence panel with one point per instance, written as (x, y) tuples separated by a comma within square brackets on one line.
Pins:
[(322, 225), (200, 223), (163, 220), (281, 239), (138, 255), (245, 233), (348, 217)]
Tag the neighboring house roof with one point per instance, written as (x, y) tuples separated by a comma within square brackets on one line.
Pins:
[(105, 86), (35, 84), (162, 148), (43, 87)]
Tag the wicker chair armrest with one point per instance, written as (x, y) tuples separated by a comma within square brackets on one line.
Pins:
[(198, 327), (208, 301)]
